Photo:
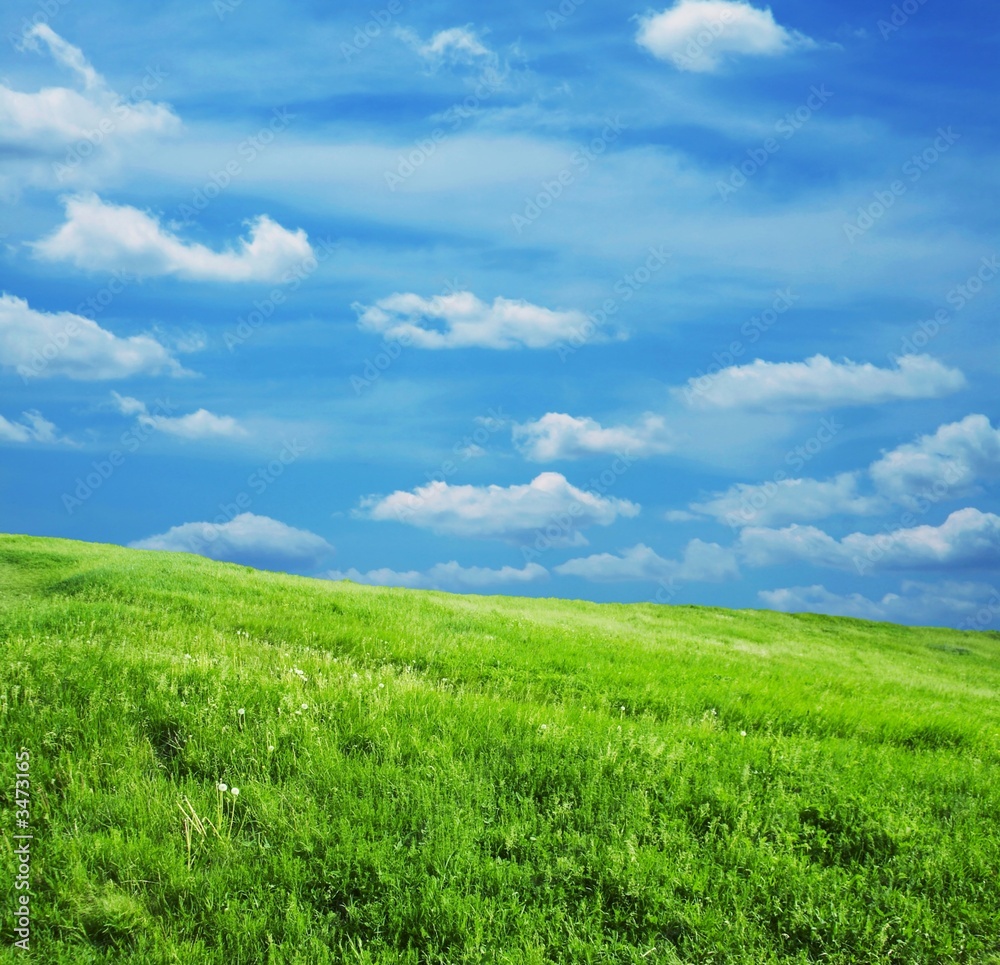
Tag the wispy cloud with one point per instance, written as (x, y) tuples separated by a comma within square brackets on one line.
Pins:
[(62, 114), (448, 576), (821, 383)]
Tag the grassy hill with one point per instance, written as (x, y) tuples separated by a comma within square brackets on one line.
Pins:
[(433, 778)]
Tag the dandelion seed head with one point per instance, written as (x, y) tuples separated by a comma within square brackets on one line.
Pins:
[(223, 787)]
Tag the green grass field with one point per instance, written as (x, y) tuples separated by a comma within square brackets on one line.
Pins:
[(434, 778)]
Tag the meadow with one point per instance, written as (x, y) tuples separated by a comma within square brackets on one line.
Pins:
[(435, 778)]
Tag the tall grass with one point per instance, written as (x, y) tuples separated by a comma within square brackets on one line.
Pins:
[(446, 779)]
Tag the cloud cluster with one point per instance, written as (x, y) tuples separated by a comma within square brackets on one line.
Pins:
[(954, 459), (946, 464), (60, 115), (248, 539), (559, 436), (701, 562), (967, 539), (821, 383), (949, 601), (46, 344), (515, 514), (789, 500), (461, 320), (98, 236), (447, 576), (699, 35)]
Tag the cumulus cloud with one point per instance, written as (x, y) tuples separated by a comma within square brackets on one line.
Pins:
[(247, 538), (968, 538), (59, 115), (788, 500), (461, 320), (926, 604), (701, 562), (559, 436), (699, 35), (549, 505), (33, 427), (949, 462), (821, 383), (447, 576), (43, 344), (98, 236), (201, 424)]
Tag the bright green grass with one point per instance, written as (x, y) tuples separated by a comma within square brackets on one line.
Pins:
[(484, 779)]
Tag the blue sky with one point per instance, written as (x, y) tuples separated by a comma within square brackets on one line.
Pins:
[(694, 303)]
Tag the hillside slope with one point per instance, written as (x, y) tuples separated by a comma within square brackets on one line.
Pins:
[(434, 778)]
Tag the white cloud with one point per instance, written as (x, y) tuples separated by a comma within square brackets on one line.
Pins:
[(820, 383), (701, 562), (33, 427), (917, 603), (457, 45), (948, 462), (559, 436), (788, 500), (98, 236), (447, 576), (43, 344), (549, 505), (967, 538), (247, 538), (201, 424), (59, 115), (698, 35), (461, 320)]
